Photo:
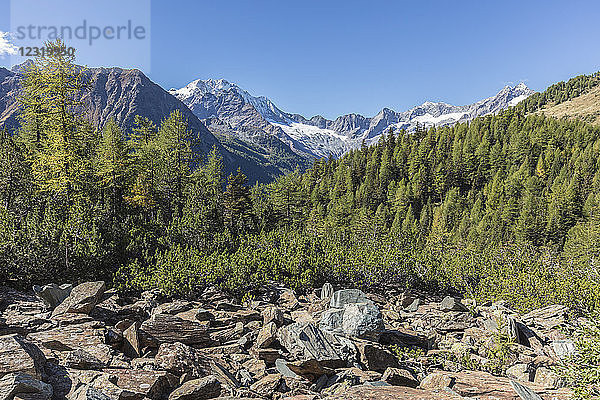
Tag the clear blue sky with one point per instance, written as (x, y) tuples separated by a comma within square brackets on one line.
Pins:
[(337, 57)]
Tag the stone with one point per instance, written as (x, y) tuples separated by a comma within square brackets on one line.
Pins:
[(167, 328), (548, 379), (331, 320), (563, 348), (309, 369), (400, 377), (20, 355), (15, 384), (151, 384), (308, 342), (173, 307), (273, 314), (414, 306), (131, 341), (362, 321), (524, 392), (266, 336), (288, 300), (375, 357), (52, 294), (87, 392), (244, 377), (343, 297), (178, 359), (257, 368), (519, 372), (284, 370), (81, 359), (82, 299), (326, 291), (437, 381), (89, 337), (267, 385), (198, 389), (204, 315), (452, 304)]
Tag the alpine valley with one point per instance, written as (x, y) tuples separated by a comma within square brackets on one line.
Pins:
[(250, 131)]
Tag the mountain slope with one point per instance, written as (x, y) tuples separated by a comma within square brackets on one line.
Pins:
[(123, 93), (319, 137)]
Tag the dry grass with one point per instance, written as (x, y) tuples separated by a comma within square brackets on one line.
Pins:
[(585, 107)]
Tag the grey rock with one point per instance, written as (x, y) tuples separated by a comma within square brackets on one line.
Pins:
[(326, 291), (524, 392), (563, 348), (341, 298), (305, 341), (20, 355), (331, 320), (52, 294), (179, 359), (452, 304), (362, 321), (167, 328), (283, 369), (198, 389), (20, 383), (414, 306), (86, 392), (82, 299)]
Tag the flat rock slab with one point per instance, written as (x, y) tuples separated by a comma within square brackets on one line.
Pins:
[(82, 299), (20, 355), (166, 328)]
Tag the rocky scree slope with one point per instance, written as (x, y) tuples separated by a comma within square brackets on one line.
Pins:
[(86, 342)]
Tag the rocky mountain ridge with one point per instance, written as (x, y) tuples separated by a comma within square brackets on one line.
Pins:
[(319, 137), (86, 342), (123, 93)]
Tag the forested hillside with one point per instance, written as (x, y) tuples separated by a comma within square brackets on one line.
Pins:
[(503, 207)]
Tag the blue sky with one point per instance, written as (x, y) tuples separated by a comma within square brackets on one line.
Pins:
[(337, 57)]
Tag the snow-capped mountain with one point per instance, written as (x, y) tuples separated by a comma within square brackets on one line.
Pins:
[(319, 137)]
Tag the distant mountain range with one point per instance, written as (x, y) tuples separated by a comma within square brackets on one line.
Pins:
[(250, 132), (319, 137)]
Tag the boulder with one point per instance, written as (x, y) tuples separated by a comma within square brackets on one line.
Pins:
[(266, 336), (89, 337), (166, 328), (24, 386), (326, 291), (548, 379), (563, 348), (52, 294), (20, 355), (400, 377), (179, 359), (131, 341), (82, 299), (308, 342), (273, 314), (452, 304), (198, 389), (520, 372), (375, 357), (267, 385), (362, 321), (341, 298)]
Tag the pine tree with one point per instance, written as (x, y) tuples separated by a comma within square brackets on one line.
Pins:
[(237, 204)]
